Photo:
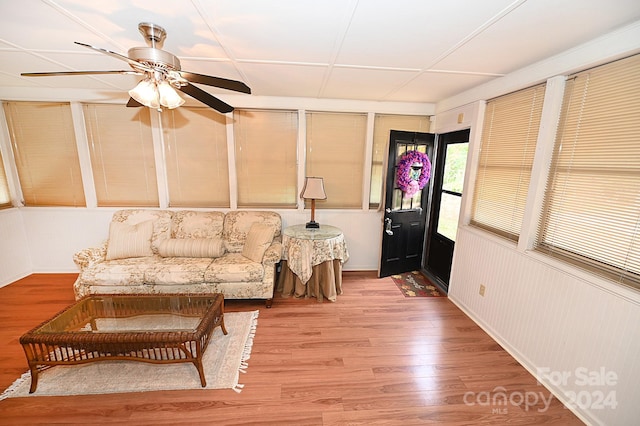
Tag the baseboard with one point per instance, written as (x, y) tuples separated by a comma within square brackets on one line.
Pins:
[(13, 279)]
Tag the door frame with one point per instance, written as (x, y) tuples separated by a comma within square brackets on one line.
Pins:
[(400, 250), (442, 141)]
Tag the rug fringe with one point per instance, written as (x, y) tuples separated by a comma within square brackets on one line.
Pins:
[(246, 353), (19, 381)]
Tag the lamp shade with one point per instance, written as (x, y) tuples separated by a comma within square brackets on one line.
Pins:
[(313, 189), (169, 98), (146, 93)]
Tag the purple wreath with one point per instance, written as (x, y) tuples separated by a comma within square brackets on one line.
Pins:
[(409, 181)]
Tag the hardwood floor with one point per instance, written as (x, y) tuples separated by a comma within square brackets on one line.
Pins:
[(373, 357)]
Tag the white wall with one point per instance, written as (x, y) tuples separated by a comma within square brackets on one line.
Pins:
[(44, 239), (548, 315), (15, 256)]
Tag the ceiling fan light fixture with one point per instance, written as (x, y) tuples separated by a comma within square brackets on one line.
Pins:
[(146, 93), (163, 77), (169, 98)]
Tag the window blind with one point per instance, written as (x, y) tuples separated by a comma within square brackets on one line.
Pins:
[(508, 146), (5, 195), (591, 215), (196, 155), (266, 158), (122, 158), (384, 123), (46, 154), (335, 152)]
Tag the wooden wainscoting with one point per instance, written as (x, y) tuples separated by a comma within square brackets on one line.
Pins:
[(373, 357)]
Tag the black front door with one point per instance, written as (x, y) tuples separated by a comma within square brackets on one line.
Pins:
[(406, 205), (448, 179)]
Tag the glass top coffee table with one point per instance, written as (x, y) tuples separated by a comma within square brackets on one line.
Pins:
[(161, 329)]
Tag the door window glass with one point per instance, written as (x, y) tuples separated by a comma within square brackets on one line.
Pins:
[(384, 123), (400, 200), (448, 215), (451, 196)]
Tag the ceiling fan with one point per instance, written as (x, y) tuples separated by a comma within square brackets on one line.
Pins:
[(162, 75)]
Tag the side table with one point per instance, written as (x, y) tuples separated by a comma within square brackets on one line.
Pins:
[(312, 262)]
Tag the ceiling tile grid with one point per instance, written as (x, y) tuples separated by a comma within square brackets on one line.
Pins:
[(402, 51)]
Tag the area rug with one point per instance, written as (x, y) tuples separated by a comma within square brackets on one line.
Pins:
[(225, 357), (414, 284)]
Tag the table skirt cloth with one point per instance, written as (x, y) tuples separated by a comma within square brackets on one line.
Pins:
[(325, 281)]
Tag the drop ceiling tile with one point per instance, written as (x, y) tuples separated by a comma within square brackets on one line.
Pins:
[(432, 87), (284, 80), (538, 30), (367, 84), (37, 25), (284, 48), (11, 80), (293, 31), (410, 34)]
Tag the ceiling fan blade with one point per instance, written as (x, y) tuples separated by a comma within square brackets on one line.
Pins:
[(224, 83), (133, 103), (206, 98), (54, 73), (136, 64)]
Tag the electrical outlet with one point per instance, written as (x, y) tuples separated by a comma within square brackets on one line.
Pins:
[(482, 289)]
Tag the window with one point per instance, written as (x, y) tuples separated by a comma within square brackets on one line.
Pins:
[(122, 158), (383, 125), (591, 215), (451, 193), (335, 152), (508, 145), (5, 195), (46, 154), (196, 154), (266, 158)]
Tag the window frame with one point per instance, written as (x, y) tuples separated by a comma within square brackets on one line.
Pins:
[(501, 111)]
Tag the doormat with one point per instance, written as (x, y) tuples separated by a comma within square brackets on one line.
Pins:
[(414, 284)]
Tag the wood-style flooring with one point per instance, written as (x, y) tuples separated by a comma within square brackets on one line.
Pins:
[(373, 357)]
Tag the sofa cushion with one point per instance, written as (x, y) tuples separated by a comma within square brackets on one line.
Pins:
[(176, 270), (197, 224), (192, 247), (129, 240), (161, 222), (238, 223), (259, 238), (119, 272), (233, 267)]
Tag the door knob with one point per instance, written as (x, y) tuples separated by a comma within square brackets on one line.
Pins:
[(387, 227)]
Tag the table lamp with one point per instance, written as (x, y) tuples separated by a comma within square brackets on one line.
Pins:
[(313, 190)]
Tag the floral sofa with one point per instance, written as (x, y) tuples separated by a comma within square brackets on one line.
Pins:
[(185, 251)]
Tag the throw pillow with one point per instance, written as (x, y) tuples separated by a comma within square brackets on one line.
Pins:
[(259, 238), (191, 247), (129, 240)]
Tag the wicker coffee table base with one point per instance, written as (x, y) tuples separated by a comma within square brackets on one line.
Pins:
[(45, 347)]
